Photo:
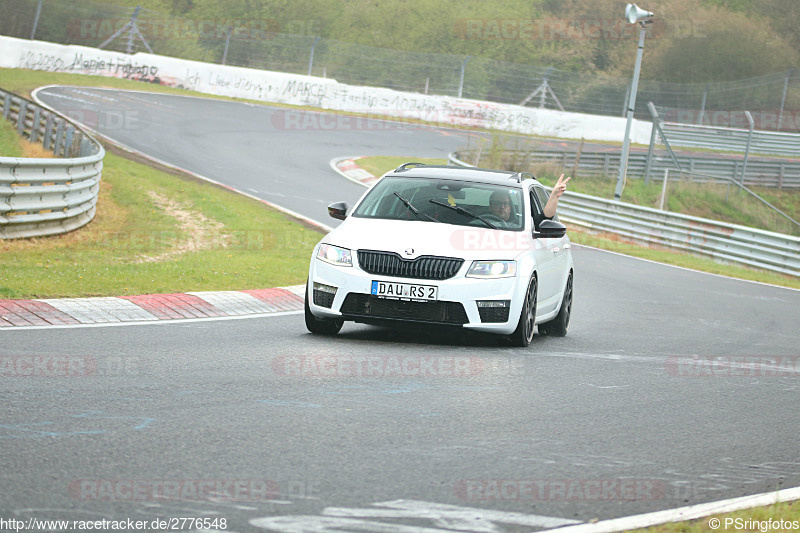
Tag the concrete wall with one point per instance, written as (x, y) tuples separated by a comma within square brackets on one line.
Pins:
[(324, 93)]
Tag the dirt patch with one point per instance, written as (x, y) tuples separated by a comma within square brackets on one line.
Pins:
[(35, 150), (196, 231)]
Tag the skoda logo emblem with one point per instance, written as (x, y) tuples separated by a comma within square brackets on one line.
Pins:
[(409, 251)]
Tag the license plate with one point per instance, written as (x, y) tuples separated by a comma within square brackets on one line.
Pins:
[(404, 291)]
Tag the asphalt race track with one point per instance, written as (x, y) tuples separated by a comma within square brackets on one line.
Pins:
[(672, 388), (280, 155)]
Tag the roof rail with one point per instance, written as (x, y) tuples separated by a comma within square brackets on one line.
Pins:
[(406, 166), (522, 176)]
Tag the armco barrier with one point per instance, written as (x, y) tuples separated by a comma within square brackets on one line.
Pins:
[(47, 196), (781, 174), (732, 139), (725, 242)]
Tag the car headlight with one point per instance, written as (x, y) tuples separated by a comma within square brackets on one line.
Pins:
[(334, 255), (492, 269)]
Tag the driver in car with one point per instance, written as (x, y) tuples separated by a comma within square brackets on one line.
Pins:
[(501, 207)]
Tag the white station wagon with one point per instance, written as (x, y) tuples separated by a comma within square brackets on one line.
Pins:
[(438, 245)]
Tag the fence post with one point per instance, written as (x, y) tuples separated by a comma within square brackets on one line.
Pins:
[(664, 189), (657, 124), (227, 43), (311, 55), (36, 19), (59, 137), (6, 106), (23, 110), (47, 142), (68, 141), (749, 140), (461, 81), (653, 132), (37, 115), (783, 99), (77, 144), (132, 30), (703, 105)]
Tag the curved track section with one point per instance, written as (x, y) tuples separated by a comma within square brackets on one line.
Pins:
[(672, 388), (279, 155)]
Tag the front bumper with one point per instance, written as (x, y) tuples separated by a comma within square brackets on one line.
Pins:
[(345, 292)]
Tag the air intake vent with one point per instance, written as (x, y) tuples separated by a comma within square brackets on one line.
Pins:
[(366, 306)]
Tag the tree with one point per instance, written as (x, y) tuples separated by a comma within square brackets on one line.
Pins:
[(722, 45)]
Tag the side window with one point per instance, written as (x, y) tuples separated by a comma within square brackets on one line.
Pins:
[(537, 207), (542, 195)]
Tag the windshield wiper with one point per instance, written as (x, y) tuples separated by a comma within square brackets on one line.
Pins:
[(462, 211), (414, 209)]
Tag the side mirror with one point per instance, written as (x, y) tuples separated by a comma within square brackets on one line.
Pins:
[(338, 210), (550, 229)]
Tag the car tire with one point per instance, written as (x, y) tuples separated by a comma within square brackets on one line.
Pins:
[(321, 326), (523, 335), (558, 326)]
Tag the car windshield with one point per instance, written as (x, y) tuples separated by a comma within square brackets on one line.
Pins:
[(440, 200)]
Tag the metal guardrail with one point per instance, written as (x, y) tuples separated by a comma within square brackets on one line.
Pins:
[(732, 139), (759, 173), (725, 242), (47, 196), (721, 241)]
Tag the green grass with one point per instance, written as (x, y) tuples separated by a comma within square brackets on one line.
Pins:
[(250, 246), (10, 145), (788, 512)]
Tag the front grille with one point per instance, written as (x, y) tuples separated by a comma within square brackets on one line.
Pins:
[(368, 306), (423, 267)]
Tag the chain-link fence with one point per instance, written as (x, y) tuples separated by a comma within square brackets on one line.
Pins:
[(774, 100)]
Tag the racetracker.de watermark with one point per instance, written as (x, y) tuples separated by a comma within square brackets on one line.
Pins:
[(376, 366), (559, 490), (761, 366), (484, 239), (110, 120), (234, 490), (231, 240), (92, 29), (67, 366), (571, 29), (763, 119), (290, 120)]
